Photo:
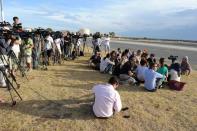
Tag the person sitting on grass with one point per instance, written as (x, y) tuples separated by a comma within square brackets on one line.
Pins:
[(152, 78), (163, 69), (106, 65), (138, 56), (95, 61), (107, 99), (185, 66), (151, 59), (145, 54), (175, 77), (119, 65), (127, 71), (140, 71)]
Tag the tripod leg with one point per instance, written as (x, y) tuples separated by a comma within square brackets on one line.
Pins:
[(10, 85), (13, 101)]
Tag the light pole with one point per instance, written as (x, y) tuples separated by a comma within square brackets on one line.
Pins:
[(2, 13)]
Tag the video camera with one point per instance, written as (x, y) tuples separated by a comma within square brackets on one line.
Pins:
[(97, 35), (173, 58)]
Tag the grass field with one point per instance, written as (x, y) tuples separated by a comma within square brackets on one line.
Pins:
[(60, 99)]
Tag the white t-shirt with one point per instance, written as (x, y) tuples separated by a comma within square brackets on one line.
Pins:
[(107, 99), (105, 63), (49, 43), (79, 42), (174, 75), (16, 48), (98, 42), (141, 72), (106, 41), (58, 44)]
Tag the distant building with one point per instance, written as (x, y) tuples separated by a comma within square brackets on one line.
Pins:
[(84, 31)]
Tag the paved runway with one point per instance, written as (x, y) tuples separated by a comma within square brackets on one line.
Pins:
[(161, 50)]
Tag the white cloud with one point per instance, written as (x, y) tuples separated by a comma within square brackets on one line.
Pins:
[(119, 16)]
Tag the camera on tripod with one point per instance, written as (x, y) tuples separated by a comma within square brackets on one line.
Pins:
[(173, 58), (97, 35)]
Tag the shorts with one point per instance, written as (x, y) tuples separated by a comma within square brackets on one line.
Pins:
[(28, 59), (49, 52)]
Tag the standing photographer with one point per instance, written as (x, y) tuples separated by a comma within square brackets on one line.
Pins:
[(48, 47), (6, 44), (36, 50), (3, 60), (17, 26), (16, 42), (28, 51), (67, 45), (106, 42)]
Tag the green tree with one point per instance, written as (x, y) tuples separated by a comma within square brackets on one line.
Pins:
[(49, 29), (112, 34)]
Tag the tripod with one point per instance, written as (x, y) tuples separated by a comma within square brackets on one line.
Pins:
[(12, 55), (9, 85)]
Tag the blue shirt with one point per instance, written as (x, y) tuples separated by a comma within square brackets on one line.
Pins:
[(150, 79)]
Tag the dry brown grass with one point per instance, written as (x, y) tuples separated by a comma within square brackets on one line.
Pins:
[(60, 99)]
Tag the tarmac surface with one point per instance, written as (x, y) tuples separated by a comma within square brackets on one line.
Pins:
[(161, 50)]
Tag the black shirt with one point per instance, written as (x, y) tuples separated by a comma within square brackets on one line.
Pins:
[(67, 41), (17, 27), (151, 61), (95, 59), (127, 67)]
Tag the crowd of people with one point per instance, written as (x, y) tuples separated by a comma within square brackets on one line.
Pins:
[(127, 66), (41, 48), (134, 68), (137, 67), (35, 49)]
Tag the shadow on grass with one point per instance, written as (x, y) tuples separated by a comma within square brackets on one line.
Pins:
[(55, 109), (130, 88)]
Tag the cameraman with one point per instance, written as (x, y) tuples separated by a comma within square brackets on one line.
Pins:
[(48, 47), (28, 45), (15, 43), (17, 26), (5, 47), (75, 39), (67, 45), (36, 50), (96, 41)]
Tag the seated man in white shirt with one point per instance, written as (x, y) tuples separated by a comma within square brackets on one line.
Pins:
[(107, 99), (152, 79)]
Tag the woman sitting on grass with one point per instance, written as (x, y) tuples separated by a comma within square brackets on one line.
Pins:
[(175, 77), (163, 70), (185, 66)]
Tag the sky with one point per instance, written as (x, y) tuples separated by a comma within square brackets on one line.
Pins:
[(168, 19)]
